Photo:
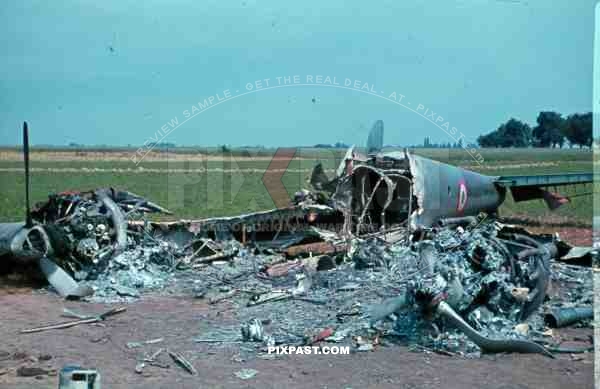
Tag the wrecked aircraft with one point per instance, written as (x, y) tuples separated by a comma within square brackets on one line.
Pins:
[(395, 187), (393, 226)]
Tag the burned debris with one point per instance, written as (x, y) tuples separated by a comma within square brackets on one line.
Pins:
[(395, 248), (461, 286)]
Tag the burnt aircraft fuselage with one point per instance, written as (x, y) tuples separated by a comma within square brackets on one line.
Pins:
[(392, 188)]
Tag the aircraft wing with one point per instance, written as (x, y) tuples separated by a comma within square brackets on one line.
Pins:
[(524, 188)]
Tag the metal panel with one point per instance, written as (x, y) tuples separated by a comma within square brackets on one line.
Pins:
[(545, 180)]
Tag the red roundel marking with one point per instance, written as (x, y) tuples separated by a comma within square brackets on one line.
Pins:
[(462, 196)]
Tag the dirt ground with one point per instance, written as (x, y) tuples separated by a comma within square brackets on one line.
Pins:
[(178, 320)]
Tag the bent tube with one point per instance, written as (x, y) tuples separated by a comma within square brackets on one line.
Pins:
[(118, 219), (487, 344)]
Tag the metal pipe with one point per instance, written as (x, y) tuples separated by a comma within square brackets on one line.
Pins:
[(118, 219), (548, 251), (562, 317), (525, 238), (28, 219), (410, 199), (458, 221), (487, 344)]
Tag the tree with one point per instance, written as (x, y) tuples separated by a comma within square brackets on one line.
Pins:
[(513, 133), (578, 129), (549, 129), (490, 140)]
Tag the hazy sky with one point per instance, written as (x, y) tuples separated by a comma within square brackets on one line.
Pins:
[(114, 72)]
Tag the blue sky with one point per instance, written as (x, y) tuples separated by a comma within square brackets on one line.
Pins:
[(114, 72)]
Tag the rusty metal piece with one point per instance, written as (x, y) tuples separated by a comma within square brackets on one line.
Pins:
[(315, 248), (283, 269), (320, 336)]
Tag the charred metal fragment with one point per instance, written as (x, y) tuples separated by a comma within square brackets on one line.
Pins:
[(487, 344), (62, 281), (23, 244), (538, 282)]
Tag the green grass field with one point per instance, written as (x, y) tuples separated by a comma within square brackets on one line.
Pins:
[(203, 188)]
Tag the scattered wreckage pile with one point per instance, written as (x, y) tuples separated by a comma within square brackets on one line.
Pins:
[(296, 277), (457, 291)]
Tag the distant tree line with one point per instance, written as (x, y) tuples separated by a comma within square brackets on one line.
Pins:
[(337, 145), (428, 144), (552, 130)]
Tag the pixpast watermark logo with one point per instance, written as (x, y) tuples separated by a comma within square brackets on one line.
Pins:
[(225, 180), (309, 350), (309, 80)]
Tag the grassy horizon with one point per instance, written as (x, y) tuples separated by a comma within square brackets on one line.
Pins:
[(234, 185)]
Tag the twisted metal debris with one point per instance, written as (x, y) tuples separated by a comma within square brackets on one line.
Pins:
[(464, 286)]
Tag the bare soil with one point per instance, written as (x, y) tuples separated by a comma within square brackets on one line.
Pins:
[(179, 320), (569, 229)]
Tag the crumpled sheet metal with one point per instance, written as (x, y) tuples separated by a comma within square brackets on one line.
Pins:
[(566, 252), (32, 244), (60, 280), (82, 231), (22, 243), (234, 222)]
